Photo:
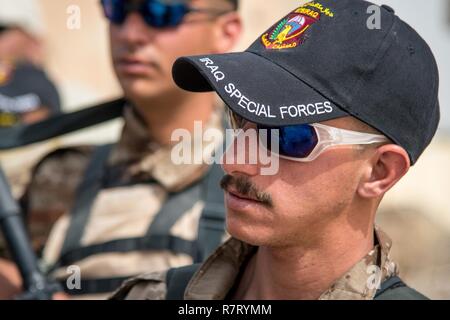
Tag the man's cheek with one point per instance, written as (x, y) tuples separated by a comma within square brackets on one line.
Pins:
[(285, 196)]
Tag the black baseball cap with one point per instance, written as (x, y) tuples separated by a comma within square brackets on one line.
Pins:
[(325, 60), (25, 87)]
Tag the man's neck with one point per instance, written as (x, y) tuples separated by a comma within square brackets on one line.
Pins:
[(302, 273), (166, 114)]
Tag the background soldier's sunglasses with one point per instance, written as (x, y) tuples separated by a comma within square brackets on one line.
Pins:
[(156, 13), (306, 142)]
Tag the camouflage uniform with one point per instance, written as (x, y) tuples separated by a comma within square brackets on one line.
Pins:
[(217, 276), (122, 211)]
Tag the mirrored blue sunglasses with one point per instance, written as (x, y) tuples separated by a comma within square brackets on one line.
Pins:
[(156, 13)]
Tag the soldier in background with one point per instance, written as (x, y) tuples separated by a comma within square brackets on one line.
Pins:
[(127, 208)]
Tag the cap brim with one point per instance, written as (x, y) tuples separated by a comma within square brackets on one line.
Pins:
[(255, 88)]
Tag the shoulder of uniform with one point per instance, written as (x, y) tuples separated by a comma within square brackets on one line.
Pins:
[(55, 177), (62, 162), (64, 156), (150, 286)]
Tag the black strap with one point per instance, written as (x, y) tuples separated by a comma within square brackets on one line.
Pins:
[(211, 224), (22, 135), (173, 209), (158, 235), (212, 221), (86, 194), (391, 283), (154, 242), (395, 289), (177, 279)]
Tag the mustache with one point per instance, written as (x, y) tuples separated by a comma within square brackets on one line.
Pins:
[(245, 187)]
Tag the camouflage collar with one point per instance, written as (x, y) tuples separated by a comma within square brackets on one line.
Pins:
[(145, 159), (218, 274)]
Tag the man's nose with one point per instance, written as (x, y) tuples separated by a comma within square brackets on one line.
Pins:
[(135, 30), (232, 160)]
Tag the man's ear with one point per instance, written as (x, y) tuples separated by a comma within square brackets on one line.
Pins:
[(385, 168), (228, 30)]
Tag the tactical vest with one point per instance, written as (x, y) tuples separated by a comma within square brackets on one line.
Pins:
[(394, 288), (210, 231)]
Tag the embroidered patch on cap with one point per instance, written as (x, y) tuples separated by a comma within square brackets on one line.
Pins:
[(290, 31)]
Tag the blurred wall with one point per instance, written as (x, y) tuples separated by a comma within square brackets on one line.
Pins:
[(432, 20), (78, 59)]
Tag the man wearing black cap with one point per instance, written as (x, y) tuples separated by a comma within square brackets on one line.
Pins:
[(27, 95), (350, 110)]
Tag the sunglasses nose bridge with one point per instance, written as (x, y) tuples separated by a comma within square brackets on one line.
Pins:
[(135, 8), (133, 25), (155, 13)]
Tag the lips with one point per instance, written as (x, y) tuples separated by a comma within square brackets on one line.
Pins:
[(133, 66), (238, 202), (240, 196)]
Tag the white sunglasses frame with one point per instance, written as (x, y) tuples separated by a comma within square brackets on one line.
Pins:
[(327, 137)]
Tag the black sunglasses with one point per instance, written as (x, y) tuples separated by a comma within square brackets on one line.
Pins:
[(156, 13)]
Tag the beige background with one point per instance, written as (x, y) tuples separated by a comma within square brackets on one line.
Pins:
[(416, 213)]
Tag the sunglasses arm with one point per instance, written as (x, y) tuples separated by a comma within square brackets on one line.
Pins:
[(343, 137)]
